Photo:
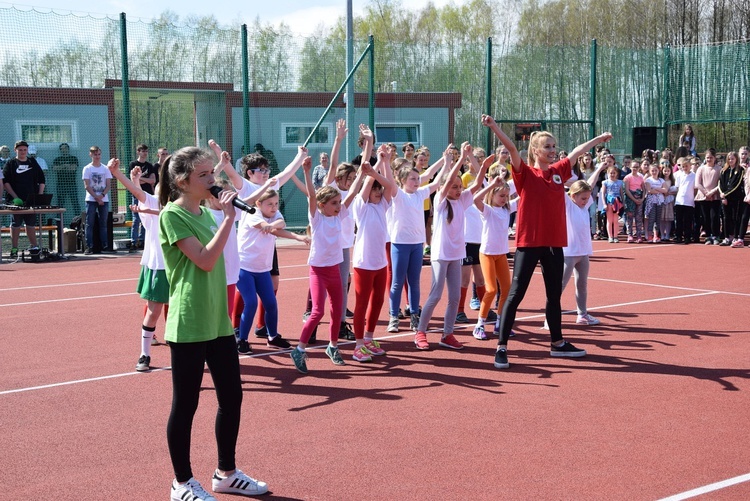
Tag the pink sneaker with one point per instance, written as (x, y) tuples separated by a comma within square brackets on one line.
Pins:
[(420, 340), (362, 354), (451, 342), (374, 348), (738, 244), (630, 239)]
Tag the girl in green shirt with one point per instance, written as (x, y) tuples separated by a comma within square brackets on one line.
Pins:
[(198, 328)]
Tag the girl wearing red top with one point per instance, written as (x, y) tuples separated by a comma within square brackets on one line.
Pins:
[(541, 232)]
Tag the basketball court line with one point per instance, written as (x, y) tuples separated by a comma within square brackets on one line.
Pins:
[(708, 488), (343, 343)]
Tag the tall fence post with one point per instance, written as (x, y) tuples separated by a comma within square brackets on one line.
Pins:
[(592, 91), (245, 92), (127, 133), (665, 100), (371, 97), (350, 141), (488, 93)]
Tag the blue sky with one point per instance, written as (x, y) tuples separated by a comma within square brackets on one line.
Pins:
[(301, 16)]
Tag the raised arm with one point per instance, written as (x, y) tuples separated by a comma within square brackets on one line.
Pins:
[(312, 204), (133, 185), (581, 148), (365, 131), (291, 169), (383, 167), (356, 185), (515, 158), (431, 170), (453, 172), (299, 183), (340, 136), (255, 196), (447, 164), (594, 177), (482, 172), (479, 196), (225, 165)]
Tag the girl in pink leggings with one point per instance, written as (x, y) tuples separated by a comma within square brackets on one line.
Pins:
[(326, 211)]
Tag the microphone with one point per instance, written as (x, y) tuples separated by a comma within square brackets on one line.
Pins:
[(240, 204)]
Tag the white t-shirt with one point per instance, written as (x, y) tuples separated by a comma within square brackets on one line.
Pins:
[(231, 258), (372, 233), (152, 257), (347, 224), (325, 244), (495, 221), (97, 177), (256, 247), (685, 184), (448, 238), (472, 225), (249, 188), (408, 217), (579, 229)]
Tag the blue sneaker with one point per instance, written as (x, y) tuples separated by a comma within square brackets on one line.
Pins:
[(474, 304), (300, 360)]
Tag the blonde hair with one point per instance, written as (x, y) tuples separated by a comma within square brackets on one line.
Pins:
[(325, 194), (490, 194), (268, 194), (579, 186), (535, 140), (496, 169)]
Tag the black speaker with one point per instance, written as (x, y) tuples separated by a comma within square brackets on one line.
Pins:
[(643, 138)]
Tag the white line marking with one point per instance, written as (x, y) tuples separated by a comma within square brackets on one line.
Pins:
[(67, 299), (48, 286), (708, 488), (343, 343)]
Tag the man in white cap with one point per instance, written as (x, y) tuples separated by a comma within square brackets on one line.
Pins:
[(32, 153)]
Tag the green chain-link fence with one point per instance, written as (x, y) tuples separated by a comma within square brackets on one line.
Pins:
[(62, 83)]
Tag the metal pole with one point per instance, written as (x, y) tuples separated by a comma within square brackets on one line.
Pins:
[(371, 48), (335, 96), (350, 142), (488, 102), (245, 92), (127, 133), (592, 91), (665, 100)]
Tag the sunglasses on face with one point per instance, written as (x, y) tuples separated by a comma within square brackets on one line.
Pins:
[(261, 170)]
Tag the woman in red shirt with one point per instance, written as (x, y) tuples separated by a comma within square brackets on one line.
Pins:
[(540, 231)]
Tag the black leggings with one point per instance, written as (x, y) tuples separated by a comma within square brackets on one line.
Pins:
[(711, 212), (187, 375), (524, 264)]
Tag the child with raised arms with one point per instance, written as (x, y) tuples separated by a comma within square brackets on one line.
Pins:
[(256, 172), (369, 258), (448, 248), (198, 329), (153, 285), (541, 232), (495, 209), (407, 234), (326, 212)]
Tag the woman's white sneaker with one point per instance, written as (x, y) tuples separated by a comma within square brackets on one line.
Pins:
[(190, 491), (238, 483)]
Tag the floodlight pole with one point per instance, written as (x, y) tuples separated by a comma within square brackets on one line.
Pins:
[(350, 84)]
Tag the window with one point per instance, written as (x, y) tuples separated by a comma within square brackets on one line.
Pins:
[(294, 135), (47, 132), (398, 133)]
